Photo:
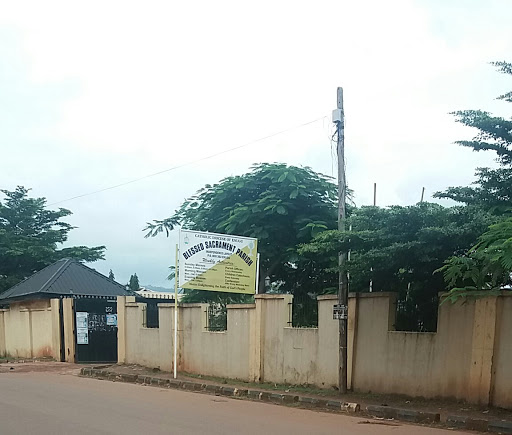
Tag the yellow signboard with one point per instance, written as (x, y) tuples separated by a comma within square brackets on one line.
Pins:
[(217, 262)]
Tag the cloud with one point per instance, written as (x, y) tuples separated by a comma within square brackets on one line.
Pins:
[(117, 90)]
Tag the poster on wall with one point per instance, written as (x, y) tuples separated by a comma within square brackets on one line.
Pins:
[(217, 262), (82, 330)]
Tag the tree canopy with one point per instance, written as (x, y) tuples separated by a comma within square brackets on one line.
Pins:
[(398, 249), (493, 188), (282, 206), (134, 283), (488, 264), (31, 237)]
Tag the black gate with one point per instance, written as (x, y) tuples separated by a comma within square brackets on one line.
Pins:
[(96, 329)]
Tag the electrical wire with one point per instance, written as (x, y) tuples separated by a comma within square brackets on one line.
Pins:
[(135, 180)]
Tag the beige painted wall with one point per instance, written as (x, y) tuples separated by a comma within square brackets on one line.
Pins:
[(501, 393), (215, 353), (415, 364), (28, 329), (2, 332), (69, 329), (468, 358)]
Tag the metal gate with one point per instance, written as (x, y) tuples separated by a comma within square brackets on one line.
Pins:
[(96, 330)]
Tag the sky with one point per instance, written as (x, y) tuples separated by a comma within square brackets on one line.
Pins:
[(100, 93)]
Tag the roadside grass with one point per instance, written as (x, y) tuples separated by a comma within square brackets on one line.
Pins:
[(303, 389)]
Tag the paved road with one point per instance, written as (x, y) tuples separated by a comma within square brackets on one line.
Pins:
[(49, 403)]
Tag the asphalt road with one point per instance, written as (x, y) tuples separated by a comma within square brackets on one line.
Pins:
[(48, 403)]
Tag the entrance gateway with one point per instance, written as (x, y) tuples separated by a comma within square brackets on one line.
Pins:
[(95, 329)]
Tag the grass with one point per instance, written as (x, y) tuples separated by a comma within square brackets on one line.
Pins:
[(305, 389)]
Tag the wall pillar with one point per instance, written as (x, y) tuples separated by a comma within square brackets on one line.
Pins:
[(274, 313), (256, 323), (121, 330), (2, 333), (69, 329), (484, 332), (56, 344), (166, 336), (353, 308)]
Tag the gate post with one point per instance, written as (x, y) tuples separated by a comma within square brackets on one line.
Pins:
[(68, 309)]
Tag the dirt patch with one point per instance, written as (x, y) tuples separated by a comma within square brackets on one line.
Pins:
[(31, 366)]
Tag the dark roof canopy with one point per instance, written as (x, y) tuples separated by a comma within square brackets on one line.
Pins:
[(66, 277)]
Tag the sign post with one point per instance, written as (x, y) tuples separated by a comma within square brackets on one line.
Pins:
[(214, 262)]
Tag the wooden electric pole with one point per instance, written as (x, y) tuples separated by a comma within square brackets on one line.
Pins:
[(339, 120)]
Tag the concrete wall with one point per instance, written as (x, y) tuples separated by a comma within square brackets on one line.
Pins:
[(501, 393), (2, 333), (215, 353), (30, 329), (468, 358), (411, 363)]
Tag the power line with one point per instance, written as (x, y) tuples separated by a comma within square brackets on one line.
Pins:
[(135, 180)]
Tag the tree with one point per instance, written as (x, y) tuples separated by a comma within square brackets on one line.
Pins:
[(111, 275), (493, 188), (31, 236), (282, 206), (399, 249), (488, 264), (134, 283)]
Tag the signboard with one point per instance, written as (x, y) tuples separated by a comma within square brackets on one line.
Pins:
[(217, 262), (339, 312), (82, 329)]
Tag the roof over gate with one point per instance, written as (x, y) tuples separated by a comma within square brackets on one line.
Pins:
[(64, 278)]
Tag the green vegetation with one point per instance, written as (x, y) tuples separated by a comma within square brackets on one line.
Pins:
[(487, 266), (30, 237), (282, 206), (134, 283)]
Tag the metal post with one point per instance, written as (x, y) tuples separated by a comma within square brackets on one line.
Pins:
[(176, 314), (342, 259), (258, 273)]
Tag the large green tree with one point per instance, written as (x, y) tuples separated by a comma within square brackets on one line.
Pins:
[(398, 249), (488, 264), (31, 237), (492, 189), (282, 206)]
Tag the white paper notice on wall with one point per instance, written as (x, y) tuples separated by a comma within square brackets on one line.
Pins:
[(82, 331)]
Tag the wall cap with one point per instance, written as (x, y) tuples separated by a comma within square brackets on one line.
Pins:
[(505, 292), (272, 296), (326, 297), (373, 295), (241, 306)]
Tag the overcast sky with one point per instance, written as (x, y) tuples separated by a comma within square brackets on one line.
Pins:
[(98, 93)]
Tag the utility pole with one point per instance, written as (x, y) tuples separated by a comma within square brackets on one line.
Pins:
[(338, 118)]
